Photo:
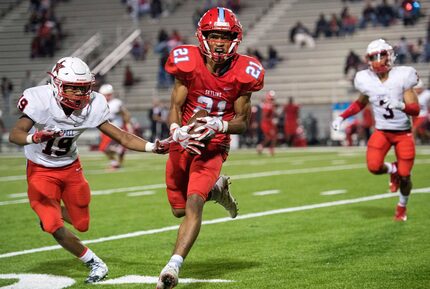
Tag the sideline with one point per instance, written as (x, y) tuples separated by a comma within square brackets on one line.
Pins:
[(220, 220)]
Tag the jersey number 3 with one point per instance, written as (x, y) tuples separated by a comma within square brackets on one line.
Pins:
[(390, 114)]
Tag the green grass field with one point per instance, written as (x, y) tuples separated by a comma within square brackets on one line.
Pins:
[(319, 220)]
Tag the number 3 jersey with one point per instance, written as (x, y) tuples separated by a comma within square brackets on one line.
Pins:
[(40, 104), (400, 79), (206, 90)]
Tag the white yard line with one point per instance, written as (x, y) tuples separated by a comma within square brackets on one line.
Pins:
[(219, 220)]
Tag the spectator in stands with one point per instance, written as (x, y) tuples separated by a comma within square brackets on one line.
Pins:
[(137, 49), (352, 61), (6, 91), (417, 51), (385, 14), (348, 22), (156, 9), (368, 16), (273, 58), (334, 26), (426, 57), (128, 76), (402, 50), (234, 5), (301, 36), (409, 12), (321, 26)]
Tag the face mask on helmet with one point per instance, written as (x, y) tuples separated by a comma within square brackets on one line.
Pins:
[(72, 82), (380, 56), (219, 33)]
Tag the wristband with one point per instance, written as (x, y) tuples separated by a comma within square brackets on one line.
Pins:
[(224, 126), (29, 138), (412, 109), (149, 146)]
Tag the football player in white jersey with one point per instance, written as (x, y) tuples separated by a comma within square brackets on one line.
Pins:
[(119, 116), (389, 90), (54, 116)]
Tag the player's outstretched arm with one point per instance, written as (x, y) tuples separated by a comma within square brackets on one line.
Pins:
[(132, 141), (353, 109), (19, 134)]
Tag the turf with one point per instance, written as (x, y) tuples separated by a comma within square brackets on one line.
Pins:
[(354, 245)]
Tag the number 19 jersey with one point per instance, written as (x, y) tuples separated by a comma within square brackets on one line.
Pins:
[(39, 104)]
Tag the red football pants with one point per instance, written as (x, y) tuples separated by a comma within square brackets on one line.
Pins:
[(380, 143), (47, 187)]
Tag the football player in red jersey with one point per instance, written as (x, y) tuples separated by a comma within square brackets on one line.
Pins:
[(389, 90), (216, 78), (268, 125)]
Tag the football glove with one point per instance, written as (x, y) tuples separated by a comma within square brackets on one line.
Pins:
[(337, 123), (162, 146), (393, 104), (45, 135), (211, 126), (181, 135)]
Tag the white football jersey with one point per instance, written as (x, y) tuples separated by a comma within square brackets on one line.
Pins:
[(43, 108), (400, 78), (115, 116), (424, 100)]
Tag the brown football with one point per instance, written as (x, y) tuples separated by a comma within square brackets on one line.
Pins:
[(193, 119)]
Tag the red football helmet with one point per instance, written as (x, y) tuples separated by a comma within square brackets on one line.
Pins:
[(72, 82), (223, 20)]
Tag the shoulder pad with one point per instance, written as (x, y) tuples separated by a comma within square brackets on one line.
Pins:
[(33, 105), (250, 73), (182, 61)]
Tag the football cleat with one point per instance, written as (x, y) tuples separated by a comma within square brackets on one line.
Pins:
[(400, 214), (98, 270), (394, 181), (168, 277), (220, 193)]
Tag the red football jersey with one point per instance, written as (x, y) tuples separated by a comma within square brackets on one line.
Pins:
[(216, 94), (268, 112)]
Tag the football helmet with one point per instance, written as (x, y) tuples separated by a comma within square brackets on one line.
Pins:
[(380, 56), (219, 19), (107, 91), (72, 82)]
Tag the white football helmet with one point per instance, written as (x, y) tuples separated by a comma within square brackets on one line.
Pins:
[(72, 82), (106, 89), (380, 56)]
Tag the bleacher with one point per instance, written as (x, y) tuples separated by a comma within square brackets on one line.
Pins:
[(314, 77)]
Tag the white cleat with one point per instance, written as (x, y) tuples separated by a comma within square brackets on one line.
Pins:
[(98, 271), (221, 194), (168, 277)]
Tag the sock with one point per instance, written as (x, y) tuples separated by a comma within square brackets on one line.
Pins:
[(87, 255), (403, 200), (176, 260), (391, 168)]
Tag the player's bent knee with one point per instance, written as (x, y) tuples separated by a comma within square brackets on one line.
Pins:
[(375, 168), (82, 225), (178, 213)]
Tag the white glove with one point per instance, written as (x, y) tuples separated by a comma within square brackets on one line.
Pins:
[(337, 123), (393, 104), (211, 126), (181, 136)]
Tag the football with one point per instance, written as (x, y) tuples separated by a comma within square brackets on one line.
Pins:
[(193, 119)]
